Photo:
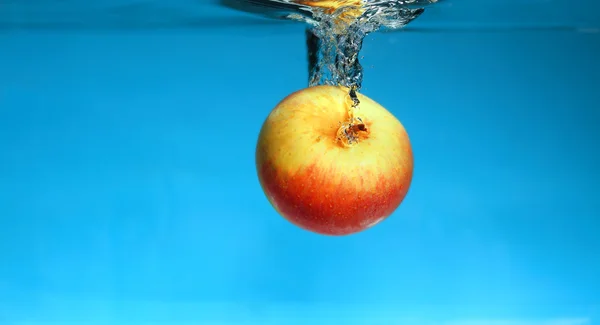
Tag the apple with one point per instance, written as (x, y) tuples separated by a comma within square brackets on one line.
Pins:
[(355, 7), (333, 165), (352, 9)]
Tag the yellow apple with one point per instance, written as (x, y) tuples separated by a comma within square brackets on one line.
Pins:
[(330, 166), (352, 9)]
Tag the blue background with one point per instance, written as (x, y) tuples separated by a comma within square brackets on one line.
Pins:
[(128, 192)]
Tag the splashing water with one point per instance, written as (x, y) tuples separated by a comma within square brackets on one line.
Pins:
[(337, 29), (335, 39)]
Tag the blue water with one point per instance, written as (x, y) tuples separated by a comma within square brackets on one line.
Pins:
[(128, 192)]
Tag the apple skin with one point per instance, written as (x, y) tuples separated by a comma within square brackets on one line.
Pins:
[(321, 183), (352, 10)]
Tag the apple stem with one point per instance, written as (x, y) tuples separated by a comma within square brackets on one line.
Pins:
[(355, 102), (353, 96)]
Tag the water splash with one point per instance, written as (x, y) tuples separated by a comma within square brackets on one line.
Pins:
[(337, 29), (335, 39)]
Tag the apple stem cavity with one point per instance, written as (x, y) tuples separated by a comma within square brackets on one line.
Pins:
[(351, 132)]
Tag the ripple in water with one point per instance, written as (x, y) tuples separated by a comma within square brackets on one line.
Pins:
[(337, 29)]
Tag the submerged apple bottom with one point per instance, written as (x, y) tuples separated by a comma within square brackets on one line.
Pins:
[(323, 186), (310, 201)]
